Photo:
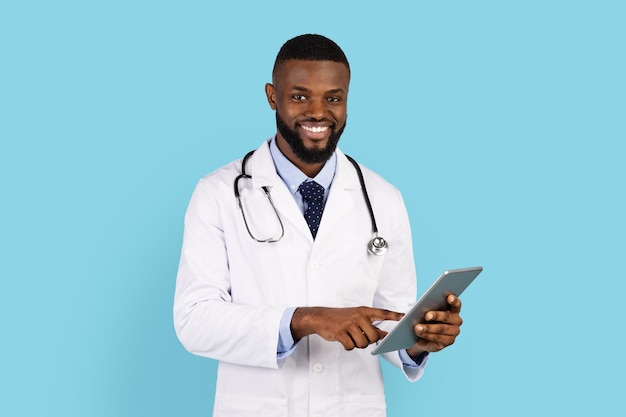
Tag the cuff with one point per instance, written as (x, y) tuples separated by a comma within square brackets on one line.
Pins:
[(286, 344)]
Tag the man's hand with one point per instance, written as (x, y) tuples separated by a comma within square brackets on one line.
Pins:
[(440, 330), (352, 326)]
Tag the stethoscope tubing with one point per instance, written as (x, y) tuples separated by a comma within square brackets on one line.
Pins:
[(377, 246)]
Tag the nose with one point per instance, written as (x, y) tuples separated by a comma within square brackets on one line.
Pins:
[(316, 109)]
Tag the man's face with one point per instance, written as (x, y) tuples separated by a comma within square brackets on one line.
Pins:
[(310, 99)]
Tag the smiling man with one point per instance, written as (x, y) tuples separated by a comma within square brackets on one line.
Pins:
[(276, 280)]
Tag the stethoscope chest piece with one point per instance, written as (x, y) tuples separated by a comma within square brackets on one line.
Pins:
[(377, 246)]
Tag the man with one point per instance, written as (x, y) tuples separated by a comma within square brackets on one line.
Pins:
[(291, 302)]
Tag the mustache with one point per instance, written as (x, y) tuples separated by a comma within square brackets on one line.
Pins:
[(314, 120)]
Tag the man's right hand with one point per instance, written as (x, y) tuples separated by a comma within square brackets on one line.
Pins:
[(351, 326)]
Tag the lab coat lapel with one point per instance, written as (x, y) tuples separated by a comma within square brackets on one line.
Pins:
[(344, 194), (261, 168)]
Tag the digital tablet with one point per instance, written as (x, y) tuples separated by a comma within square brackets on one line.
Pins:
[(403, 336)]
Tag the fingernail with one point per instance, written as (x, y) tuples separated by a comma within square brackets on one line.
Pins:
[(420, 328), (429, 316)]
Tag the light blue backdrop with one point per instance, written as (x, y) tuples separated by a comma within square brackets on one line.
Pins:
[(503, 123)]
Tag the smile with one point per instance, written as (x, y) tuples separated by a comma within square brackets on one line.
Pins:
[(315, 129)]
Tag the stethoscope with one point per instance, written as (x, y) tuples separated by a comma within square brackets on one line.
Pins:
[(377, 246)]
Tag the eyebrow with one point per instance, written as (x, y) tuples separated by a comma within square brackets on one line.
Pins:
[(306, 90)]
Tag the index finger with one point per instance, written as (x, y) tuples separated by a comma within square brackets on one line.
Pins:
[(376, 314), (454, 302)]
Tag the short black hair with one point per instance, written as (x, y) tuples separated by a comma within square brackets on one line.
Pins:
[(310, 47)]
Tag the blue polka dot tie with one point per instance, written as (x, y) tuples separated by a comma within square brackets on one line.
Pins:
[(313, 194)]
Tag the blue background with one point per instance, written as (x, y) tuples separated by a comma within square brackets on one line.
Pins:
[(503, 123)]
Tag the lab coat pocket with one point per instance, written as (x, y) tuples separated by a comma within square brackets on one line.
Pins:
[(239, 406)]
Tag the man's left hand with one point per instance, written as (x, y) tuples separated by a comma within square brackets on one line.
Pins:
[(439, 330)]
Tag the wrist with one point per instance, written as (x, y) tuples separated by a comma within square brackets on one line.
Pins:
[(302, 322), (418, 358)]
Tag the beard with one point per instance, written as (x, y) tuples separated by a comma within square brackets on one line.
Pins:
[(308, 155)]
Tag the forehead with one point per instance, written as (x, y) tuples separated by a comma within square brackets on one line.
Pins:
[(326, 75)]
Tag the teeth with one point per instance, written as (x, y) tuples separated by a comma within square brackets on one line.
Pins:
[(315, 129)]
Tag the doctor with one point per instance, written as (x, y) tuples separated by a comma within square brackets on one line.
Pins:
[(283, 291)]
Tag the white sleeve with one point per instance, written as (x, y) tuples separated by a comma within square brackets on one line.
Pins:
[(206, 321)]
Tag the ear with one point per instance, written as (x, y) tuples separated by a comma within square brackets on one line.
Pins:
[(270, 92)]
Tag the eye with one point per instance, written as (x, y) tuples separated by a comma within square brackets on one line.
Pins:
[(333, 99), (298, 97)]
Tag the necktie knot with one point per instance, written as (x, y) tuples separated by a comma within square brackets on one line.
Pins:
[(313, 195)]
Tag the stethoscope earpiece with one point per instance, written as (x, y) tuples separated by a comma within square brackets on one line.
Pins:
[(377, 246)]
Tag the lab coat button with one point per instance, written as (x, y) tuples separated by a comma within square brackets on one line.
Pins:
[(318, 367)]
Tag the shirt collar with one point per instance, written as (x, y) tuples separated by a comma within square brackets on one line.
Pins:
[(293, 177)]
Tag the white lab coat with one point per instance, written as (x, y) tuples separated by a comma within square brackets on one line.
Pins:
[(231, 291)]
